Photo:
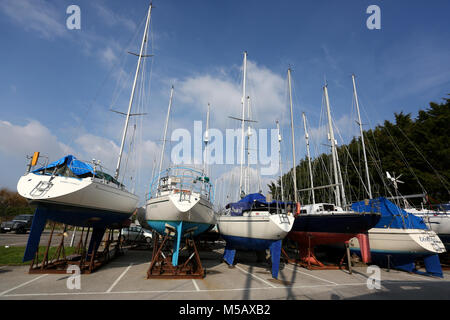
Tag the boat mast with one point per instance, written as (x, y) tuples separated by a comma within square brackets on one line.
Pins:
[(293, 140), (279, 160), (165, 134), (362, 138), (333, 148), (243, 122), (206, 141), (144, 40), (309, 158), (249, 133), (341, 182)]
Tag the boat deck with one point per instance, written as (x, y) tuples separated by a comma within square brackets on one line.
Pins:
[(125, 278)]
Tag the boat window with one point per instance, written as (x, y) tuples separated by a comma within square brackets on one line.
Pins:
[(328, 207), (303, 211), (107, 177)]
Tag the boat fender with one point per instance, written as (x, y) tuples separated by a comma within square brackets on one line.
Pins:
[(297, 209)]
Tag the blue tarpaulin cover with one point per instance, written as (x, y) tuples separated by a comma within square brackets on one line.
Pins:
[(394, 217), (245, 203), (249, 200), (391, 215), (76, 166)]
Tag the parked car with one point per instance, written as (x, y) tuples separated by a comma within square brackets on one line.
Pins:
[(20, 224), (136, 234)]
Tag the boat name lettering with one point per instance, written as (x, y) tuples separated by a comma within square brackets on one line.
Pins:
[(426, 239)]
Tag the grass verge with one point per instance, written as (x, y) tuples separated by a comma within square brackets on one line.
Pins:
[(13, 256)]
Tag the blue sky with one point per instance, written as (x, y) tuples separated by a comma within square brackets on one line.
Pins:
[(56, 85)]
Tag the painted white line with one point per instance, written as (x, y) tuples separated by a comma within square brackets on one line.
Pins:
[(195, 285), (311, 275), (23, 284), (208, 290), (118, 279), (177, 291), (255, 276)]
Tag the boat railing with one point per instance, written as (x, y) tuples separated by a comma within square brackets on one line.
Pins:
[(182, 181), (30, 166)]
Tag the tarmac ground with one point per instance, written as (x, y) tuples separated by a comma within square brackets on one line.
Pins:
[(125, 278)]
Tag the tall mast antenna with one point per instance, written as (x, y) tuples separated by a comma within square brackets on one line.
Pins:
[(206, 140), (293, 140), (144, 40), (362, 138), (165, 134), (333, 148), (279, 159), (309, 158), (243, 122)]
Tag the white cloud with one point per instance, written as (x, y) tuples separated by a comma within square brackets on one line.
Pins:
[(94, 147), (36, 15), (109, 56), (265, 88), (113, 19), (17, 140)]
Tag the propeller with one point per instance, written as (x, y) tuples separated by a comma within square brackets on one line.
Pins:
[(394, 179)]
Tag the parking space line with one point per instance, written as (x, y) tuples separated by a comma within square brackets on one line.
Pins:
[(195, 285), (311, 275), (177, 291), (23, 284), (207, 290), (255, 276), (118, 279)]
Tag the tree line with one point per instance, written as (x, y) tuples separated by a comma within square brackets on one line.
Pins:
[(12, 204), (416, 149)]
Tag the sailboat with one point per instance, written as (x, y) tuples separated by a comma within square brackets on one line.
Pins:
[(180, 200), (327, 223), (253, 223), (80, 193), (399, 237), (437, 220)]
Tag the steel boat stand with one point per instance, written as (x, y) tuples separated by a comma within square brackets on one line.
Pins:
[(166, 261), (308, 260), (86, 256)]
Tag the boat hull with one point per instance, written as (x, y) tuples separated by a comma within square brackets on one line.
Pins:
[(440, 224), (404, 242), (253, 232), (194, 217), (85, 194), (323, 229), (76, 202), (241, 243)]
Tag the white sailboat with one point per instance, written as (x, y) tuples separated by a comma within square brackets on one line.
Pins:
[(77, 192), (437, 219), (394, 236), (252, 223), (83, 186), (180, 200)]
